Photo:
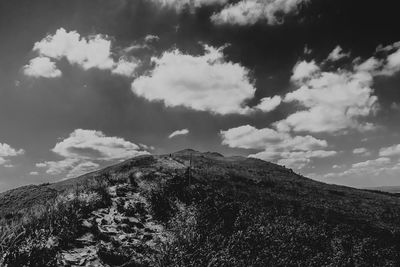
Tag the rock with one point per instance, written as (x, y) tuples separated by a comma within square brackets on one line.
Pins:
[(87, 224)]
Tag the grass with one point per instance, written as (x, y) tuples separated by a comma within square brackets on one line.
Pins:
[(35, 238)]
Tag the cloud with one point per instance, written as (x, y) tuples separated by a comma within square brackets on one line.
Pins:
[(34, 173), (125, 68), (268, 104), (41, 67), (249, 12), (392, 64), (151, 38), (374, 167), (179, 132), (206, 82), (85, 150), (82, 168), (337, 54), (386, 61), (89, 52), (7, 151), (390, 151), (58, 167), (361, 151), (281, 147), (91, 144), (331, 101), (179, 5), (303, 70)]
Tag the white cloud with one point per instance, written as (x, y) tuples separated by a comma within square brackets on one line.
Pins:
[(179, 5), (125, 68), (337, 54), (361, 151), (7, 151), (8, 165), (386, 62), (390, 151), (41, 67), (58, 167), (151, 38), (93, 52), (205, 83), (34, 173), (89, 52), (392, 65), (179, 132), (303, 70), (379, 162), (268, 104), (249, 12), (85, 150), (90, 144), (300, 159), (281, 147), (82, 168), (332, 101)]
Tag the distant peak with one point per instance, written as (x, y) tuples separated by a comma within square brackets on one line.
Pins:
[(185, 151)]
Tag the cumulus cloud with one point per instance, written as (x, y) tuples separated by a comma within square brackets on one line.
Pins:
[(304, 70), (332, 100), (82, 168), (390, 151), (179, 132), (6, 151), (89, 144), (150, 38), (338, 100), (93, 52), (34, 173), (87, 52), (386, 61), (361, 151), (85, 150), (58, 167), (337, 54), (392, 62), (179, 5), (367, 168), (206, 82), (281, 147), (41, 67), (125, 68), (268, 104), (249, 12)]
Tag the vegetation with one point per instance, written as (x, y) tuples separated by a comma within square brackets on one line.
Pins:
[(224, 212)]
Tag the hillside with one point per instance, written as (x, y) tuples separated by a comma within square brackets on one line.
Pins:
[(222, 211)]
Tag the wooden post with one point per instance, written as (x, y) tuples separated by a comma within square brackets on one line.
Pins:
[(190, 169)]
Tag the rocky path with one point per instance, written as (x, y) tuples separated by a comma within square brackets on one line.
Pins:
[(123, 234)]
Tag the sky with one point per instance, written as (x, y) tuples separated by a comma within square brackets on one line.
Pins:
[(309, 84)]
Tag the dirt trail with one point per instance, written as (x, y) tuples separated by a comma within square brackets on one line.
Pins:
[(124, 228)]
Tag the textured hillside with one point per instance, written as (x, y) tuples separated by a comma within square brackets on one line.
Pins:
[(221, 211)]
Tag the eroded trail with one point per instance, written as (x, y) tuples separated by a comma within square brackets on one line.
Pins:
[(122, 234)]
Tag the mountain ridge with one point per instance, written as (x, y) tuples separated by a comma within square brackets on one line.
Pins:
[(222, 200)]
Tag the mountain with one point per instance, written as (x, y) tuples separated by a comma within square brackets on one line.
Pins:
[(389, 189), (191, 208)]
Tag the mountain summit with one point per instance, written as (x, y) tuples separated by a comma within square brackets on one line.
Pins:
[(215, 211)]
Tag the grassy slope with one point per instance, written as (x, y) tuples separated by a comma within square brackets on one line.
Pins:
[(236, 198)]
